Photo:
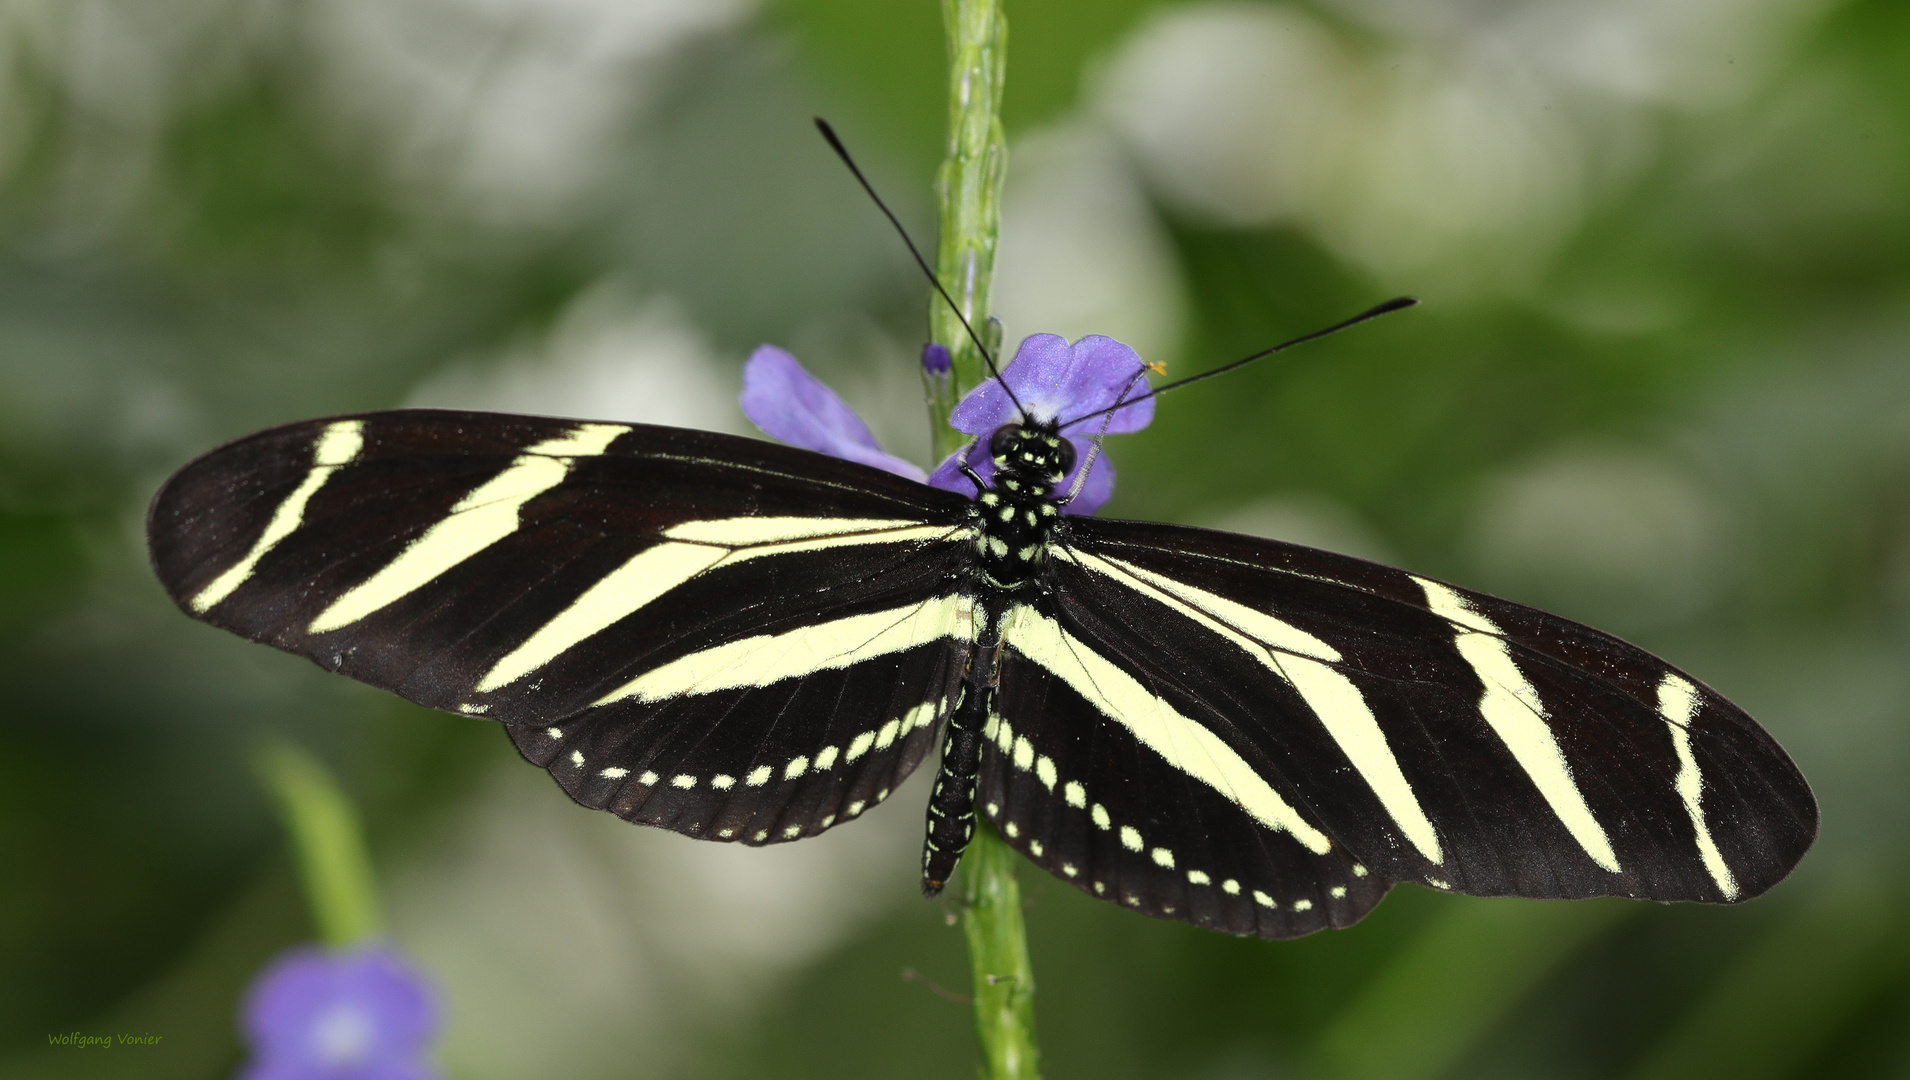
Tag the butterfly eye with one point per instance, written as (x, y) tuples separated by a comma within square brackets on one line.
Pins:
[(1064, 457), (1002, 442)]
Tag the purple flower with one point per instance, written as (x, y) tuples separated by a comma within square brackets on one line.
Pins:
[(935, 358), (794, 406), (1055, 381), (319, 1014)]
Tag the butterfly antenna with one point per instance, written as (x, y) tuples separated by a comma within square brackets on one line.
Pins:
[(842, 152), (1388, 307), (1094, 450)]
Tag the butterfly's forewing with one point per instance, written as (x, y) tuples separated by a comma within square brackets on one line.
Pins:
[(712, 634), (1423, 732)]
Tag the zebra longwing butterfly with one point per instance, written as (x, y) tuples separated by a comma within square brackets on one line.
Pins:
[(749, 642)]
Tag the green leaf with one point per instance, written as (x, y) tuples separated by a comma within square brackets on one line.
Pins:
[(329, 843)]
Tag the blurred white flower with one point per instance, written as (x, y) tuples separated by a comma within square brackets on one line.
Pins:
[(1611, 534), (1081, 250), (1455, 150), (609, 356), (512, 104)]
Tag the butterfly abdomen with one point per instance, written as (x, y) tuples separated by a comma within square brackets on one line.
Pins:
[(951, 807)]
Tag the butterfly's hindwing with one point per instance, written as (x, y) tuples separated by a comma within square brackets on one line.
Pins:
[(759, 764), (1445, 737), (1095, 771)]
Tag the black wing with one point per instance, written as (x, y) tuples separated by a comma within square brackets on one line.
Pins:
[(1260, 737), (716, 635)]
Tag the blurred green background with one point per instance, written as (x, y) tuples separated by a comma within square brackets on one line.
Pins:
[(1660, 382)]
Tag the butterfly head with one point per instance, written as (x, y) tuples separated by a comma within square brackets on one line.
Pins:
[(1019, 511), (1033, 453)]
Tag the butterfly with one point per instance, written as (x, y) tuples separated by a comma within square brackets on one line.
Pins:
[(749, 642)]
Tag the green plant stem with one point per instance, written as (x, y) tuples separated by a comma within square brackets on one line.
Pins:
[(998, 955), (968, 190), (329, 843)]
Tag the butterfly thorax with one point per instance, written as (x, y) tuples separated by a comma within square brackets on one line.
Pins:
[(1017, 514), (1015, 517)]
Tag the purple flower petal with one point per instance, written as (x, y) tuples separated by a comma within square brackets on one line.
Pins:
[(316, 1014), (1056, 381), (795, 407)]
